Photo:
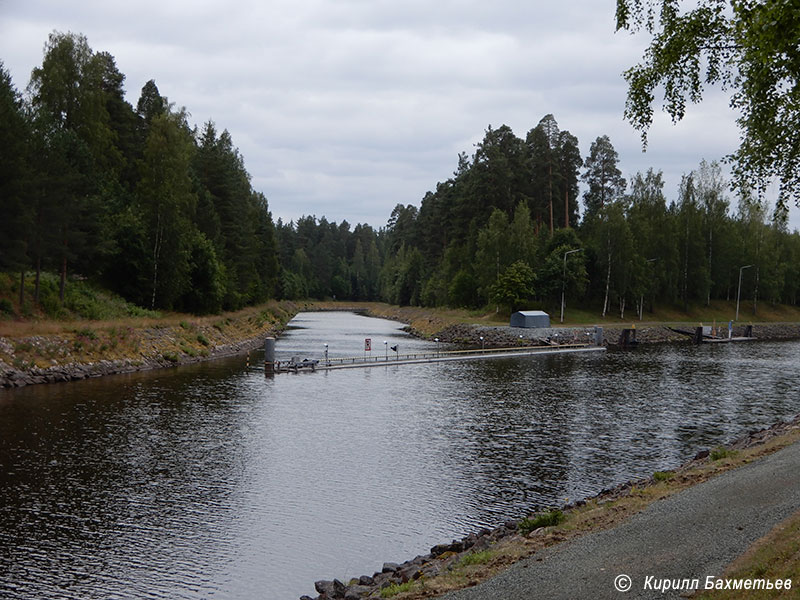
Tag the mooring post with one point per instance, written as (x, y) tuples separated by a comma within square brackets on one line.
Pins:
[(598, 336), (269, 356)]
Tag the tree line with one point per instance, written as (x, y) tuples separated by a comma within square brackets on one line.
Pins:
[(165, 215), (133, 197), (504, 231)]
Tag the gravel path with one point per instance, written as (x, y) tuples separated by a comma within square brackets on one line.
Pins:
[(693, 534)]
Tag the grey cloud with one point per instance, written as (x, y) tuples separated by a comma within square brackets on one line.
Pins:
[(345, 108)]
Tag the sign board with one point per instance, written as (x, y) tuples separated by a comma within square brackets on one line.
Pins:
[(367, 345)]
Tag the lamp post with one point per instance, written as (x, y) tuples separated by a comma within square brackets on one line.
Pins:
[(327, 363), (437, 345), (564, 280), (739, 290), (481, 343), (386, 350)]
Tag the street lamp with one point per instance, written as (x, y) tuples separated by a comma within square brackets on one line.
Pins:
[(564, 280), (327, 363), (739, 291), (386, 349), (481, 343), (437, 345)]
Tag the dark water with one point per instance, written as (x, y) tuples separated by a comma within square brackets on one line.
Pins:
[(211, 481)]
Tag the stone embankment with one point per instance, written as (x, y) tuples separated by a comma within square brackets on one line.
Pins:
[(95, 350), (444, 558), (503, 336), (76, 371)]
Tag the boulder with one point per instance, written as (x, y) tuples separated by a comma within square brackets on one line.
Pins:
[(356, 592), (390, 567), (331, 589)]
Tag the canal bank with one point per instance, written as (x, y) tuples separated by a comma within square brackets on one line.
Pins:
[(456, 328), (87, 349), (576, 551)]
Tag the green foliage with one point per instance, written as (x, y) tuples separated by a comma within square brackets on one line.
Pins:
[(462, 290), (602, 175), (562, 271), (6, 308), (87, 333), (663, 475), (750, 50), (402, 277), (95, 187), (493, 255), (548, 519), (475, 558), (396, 588), (514, 286), (721, 452)]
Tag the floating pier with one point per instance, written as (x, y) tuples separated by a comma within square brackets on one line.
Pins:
[(296, 365), (707, 335)]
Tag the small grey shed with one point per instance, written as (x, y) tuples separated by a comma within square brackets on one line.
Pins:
[(531, 319)]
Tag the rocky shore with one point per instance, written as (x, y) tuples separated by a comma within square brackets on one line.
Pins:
[(447, 557), (94, 351), (503, 336), (11, 377)]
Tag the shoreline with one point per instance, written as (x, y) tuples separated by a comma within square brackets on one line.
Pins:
[(96, 350), (481, 555), (86, 350)]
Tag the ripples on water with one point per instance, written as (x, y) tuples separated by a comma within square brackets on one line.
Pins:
[(211, 481)]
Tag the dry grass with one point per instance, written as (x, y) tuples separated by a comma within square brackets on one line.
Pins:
[(776, 556), (174, 337), (26, 328)]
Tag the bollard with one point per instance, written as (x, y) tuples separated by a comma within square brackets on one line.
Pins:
[(269, 356), (598, 336)]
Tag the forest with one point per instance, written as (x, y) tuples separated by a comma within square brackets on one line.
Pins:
[(163, 213)]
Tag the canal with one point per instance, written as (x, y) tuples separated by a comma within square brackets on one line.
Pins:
[(212, 481)]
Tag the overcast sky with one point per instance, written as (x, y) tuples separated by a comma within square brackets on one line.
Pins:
[(345, 108)]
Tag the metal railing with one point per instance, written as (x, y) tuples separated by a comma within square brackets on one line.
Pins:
[(388, 358)]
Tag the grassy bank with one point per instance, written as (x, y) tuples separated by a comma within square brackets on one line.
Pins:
[(83, 301), (128, 343)]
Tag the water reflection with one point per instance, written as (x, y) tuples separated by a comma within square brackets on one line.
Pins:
[(211, 480)]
